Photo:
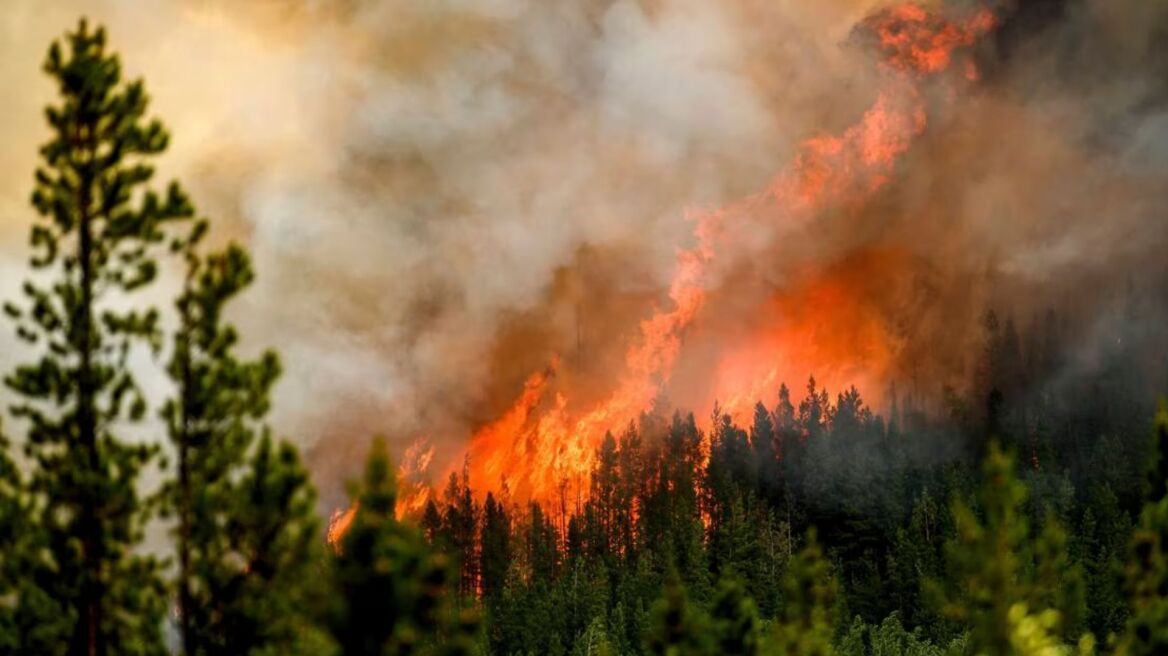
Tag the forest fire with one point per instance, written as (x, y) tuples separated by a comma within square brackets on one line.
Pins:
[(660, 327), (536, 452), (543, 445)]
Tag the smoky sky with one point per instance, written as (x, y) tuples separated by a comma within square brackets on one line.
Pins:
[(442, 196)]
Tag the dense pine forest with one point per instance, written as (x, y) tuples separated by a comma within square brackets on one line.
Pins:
[(1026, 514)]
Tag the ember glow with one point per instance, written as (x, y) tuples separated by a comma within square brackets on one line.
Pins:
[(543, 445), (801, 332), (914, 41)]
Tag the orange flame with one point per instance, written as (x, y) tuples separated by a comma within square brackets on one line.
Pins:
[(915, 41), (338, 525), (823, 322), (413, 478)]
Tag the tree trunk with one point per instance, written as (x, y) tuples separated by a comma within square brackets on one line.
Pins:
[(88, 636), (186, 601)]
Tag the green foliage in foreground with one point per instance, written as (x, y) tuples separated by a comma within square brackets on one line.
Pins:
[(393, 594), (94, 249), (1147, 567)]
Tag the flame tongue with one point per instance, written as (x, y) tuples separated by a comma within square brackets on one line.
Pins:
[(912, 40), (339, 522), (540, 443), (413, 491)]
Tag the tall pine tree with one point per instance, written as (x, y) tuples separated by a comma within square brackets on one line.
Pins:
[(393, 593), (810, 598), (92, 250), (247, 533), (1003, 584), (1147, 567)]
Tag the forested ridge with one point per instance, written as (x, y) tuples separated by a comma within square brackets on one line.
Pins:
[(1024, 514)]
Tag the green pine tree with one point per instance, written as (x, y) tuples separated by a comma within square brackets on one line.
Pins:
[(595, 641), (810, 595), (495, 552), (246, 549), (260, 585), (394, 595), (15, 521), (734, 620), (1104, 534), (985, 561), (1016, 594), (1147, 567), (92, 247), (1058, 582), (676, 626), (891, 638)]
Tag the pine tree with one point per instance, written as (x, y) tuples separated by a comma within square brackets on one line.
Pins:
[(734, 620), (1147, 567), (393, 595), (460, 519), (763, 442), (671, 513), (230, 535), (1058, 582), (810, 595), (1009, 589), (676, 626), (792, 452), (496, 547), (541, 540), (813, 412), (98, 223), (1104, 534), (15, 521), (916, 558), (257, 585), (891, 638), (595, 641), (431, 522), (603, 500), (984, 562), (729, 471), (630, 464)]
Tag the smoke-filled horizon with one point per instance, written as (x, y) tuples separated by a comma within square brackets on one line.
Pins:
[(442, 198)]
